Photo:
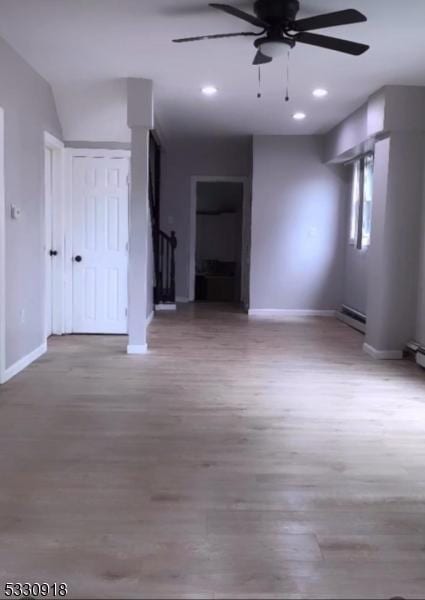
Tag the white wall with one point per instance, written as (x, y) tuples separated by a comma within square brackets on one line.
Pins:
[(30, 110), (298, 224), (183, 159)]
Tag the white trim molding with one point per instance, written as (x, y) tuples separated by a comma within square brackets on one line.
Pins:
[(182, 300), (284, 313), (383, 354), (58, 232), (70, 154), (2, 255), (52, 142), (150, 318), (137, 350), (24, 362)]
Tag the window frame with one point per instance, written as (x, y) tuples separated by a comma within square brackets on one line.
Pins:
[(356, 233), (368, 174)]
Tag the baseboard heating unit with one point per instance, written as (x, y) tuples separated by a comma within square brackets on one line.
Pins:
[(420, 357), (417, 352), (353, 318)]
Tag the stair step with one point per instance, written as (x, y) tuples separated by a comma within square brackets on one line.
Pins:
[(166, 306)]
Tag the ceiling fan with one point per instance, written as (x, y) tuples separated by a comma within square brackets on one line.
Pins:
[(280, 30)]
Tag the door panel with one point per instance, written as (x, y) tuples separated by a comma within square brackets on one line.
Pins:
[(48, 166), (100, 238)]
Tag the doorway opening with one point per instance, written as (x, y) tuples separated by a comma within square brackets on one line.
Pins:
[(220, 249), (2, 256), (97, 231)]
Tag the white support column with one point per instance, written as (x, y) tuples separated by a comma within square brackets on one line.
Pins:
[(140, 120)]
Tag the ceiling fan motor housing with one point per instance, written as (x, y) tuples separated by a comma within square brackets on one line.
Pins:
[(277, 12)]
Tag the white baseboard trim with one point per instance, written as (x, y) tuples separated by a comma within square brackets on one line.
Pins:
[(182, 300), (267, 312), (383, 354), (165, 307), (358, 325), (23, 363), (150, 318), (134, 350)]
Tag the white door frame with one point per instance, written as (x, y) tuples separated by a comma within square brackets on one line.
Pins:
[(70, 154), (2, 256), (192, 232), (57, 216)]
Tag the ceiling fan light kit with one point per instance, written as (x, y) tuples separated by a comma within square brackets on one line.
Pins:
[(274, 49), (280, 30)]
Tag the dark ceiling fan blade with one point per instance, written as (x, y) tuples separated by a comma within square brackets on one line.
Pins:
[(261, 59), (240, 14), (215, 37), (323, 41), (334, 19)]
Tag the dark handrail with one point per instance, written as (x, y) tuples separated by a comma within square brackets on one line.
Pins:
[(164, 246), (166, 275)]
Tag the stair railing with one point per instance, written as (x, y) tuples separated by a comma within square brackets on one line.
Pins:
[(166, 275), (164, 246)]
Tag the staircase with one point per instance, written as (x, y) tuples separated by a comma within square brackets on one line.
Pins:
[(164, 245)]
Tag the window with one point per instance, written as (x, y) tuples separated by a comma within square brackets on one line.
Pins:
[(355, 203), (361, 202), (367, 200)]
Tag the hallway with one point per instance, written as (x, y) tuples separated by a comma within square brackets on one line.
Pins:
[(238, 459)]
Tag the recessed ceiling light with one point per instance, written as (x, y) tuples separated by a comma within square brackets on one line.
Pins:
[(209, 90), (320, 93), (299, 116)]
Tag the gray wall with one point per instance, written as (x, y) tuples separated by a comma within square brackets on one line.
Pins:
[(394, 120), (298, 224), (395, 244), (355, 134), (30, 110), (183, 159)]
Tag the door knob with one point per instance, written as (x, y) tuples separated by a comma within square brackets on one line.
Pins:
[(53, 252), (78, 259)]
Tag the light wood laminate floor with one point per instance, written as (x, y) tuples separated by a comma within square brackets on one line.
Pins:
[(238, 459)]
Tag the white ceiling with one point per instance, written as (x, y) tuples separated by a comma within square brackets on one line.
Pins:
[(86, 49)]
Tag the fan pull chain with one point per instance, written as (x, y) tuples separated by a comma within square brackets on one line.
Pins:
[(259, 95), (287, 97)]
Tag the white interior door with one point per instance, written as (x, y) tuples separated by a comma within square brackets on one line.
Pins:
[(48, 246), (100, 244)]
